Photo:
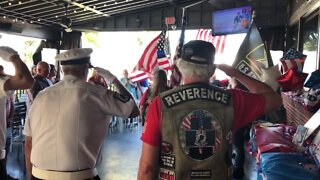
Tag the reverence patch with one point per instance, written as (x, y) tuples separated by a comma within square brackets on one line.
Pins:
[(200, 135), (194, 93), (121, 97)]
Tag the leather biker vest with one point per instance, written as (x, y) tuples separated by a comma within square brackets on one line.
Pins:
[(196, 133)]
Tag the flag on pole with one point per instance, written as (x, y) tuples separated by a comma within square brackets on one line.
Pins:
[(252, 55), (175, 77), (218, 41), (163, 60), (153, 57)]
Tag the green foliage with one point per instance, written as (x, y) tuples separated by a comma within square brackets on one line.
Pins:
[(92, 38), (139, 41), (29, 48), (311, 41)]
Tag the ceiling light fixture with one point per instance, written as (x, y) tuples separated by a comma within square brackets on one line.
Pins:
[(85, 8)]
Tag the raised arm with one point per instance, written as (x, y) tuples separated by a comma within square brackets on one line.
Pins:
[(273, 99), (110, 78), (22, 78)]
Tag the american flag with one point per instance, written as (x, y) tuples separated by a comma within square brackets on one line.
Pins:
[(187, 123), (175, 77), (293, 59), (153, 57), (137, 75), (218, 41), (162, 52)]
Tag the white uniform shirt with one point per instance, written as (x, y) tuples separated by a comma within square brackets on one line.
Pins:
[(68, 122), (3, 122)]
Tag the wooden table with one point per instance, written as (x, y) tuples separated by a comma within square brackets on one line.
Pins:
[(296, 114)]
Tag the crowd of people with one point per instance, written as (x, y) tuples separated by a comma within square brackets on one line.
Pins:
[(188, 130)]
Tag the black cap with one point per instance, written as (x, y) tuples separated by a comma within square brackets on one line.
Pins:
[(198, 52)]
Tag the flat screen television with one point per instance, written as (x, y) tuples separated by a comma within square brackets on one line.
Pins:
[(231, 21)]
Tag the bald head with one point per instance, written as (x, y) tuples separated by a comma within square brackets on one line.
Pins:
[(43, 69), (125, 73)]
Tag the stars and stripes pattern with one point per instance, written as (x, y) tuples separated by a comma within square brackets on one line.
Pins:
[(217, 144), (163, 61), (293, 54), (175, 77), (293, 59), (137, 76), (187, 123), (219, 42), (154, 57), (200, 117)]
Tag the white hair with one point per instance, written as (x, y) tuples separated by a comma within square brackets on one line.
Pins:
[(203, 72), (78, 70)]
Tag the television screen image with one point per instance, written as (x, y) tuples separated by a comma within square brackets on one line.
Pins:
[(231, 21)]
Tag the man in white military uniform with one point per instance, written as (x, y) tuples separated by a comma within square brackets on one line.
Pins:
[(68, 121), (21, 80)]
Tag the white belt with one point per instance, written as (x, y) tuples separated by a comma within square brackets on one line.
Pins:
[(58, 175)]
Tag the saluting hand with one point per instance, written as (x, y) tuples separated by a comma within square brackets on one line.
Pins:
[(6, 53), (107, 75), (230, 71)]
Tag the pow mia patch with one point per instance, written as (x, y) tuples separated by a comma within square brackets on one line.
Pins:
[(200, 135), (121, 97)]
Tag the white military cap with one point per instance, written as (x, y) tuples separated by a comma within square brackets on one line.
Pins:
[(75, 56)]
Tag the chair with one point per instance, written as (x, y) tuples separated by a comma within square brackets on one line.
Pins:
[(18, 120)]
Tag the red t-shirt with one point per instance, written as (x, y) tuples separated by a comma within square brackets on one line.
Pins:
[(247, 108)]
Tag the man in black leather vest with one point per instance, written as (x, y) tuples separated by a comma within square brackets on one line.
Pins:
[(188, 131)]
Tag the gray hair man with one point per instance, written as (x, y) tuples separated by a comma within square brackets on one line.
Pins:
[(188, 130), (67, 122)]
